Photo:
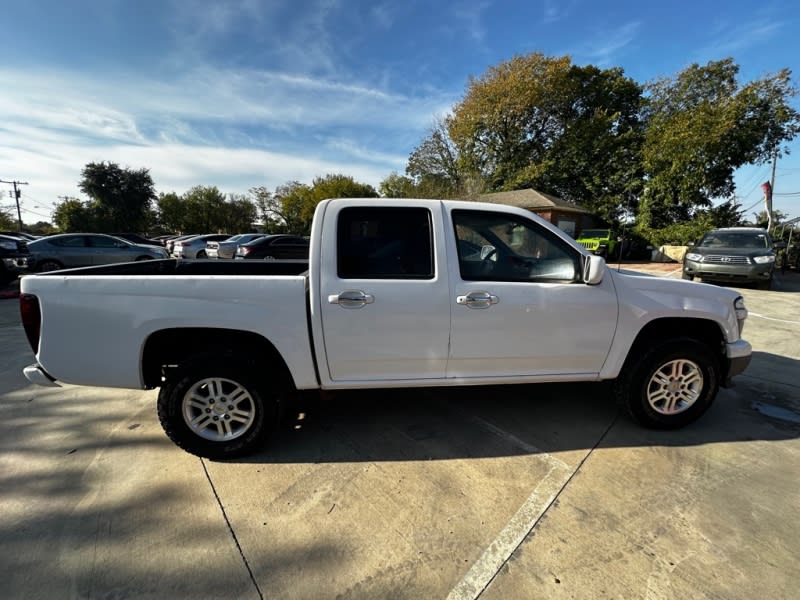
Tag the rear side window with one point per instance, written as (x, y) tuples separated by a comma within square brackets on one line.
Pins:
[(384, 243)]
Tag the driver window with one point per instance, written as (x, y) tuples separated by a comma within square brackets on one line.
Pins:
[(503, 247)]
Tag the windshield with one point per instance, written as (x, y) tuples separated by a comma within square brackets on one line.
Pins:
[(595, 233), (734, 239)]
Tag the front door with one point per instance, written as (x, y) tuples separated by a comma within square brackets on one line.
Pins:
[(520, 308)]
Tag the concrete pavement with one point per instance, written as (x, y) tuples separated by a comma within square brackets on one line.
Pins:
[(524, 492)]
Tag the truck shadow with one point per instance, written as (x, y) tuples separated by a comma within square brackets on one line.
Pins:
[(480, 422)]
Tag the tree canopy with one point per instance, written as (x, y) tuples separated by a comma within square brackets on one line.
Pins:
[(120, 198), (661, 151)]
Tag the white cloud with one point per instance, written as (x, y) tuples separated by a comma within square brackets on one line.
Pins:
[(233, 129)]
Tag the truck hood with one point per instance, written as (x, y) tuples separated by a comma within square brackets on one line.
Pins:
[(653, 285)]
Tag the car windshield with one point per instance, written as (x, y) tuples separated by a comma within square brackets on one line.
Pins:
[(595, 233), (725, 239)]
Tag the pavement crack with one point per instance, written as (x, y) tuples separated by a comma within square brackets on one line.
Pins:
[(230, 529)]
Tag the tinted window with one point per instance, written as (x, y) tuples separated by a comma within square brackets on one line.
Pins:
[(384, 243), (71, 241), (106, 242), (502, 247)]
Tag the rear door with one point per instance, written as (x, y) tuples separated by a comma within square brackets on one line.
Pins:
[(384, 305)]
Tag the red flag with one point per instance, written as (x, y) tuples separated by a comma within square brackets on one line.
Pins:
[(767, 189)]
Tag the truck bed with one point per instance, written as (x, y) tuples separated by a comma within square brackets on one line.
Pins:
[(172, 267)]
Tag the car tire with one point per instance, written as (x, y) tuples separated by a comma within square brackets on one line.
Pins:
[(765, 285), (49, 265), (269, 258), (687, 276), (670, 385), (217, 410), (202, 254)]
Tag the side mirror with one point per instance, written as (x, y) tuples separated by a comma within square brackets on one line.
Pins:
[(594, 268)]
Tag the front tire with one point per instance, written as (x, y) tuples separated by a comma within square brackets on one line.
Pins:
[(670, 385), (217, 411), (686, 276)]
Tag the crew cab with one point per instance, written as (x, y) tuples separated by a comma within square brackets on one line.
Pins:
[(395, 293)]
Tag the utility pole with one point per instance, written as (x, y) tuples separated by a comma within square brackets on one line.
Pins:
[(16, 198), (771, 191)]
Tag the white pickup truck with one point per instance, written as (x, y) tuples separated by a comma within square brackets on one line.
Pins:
[(396, 293)]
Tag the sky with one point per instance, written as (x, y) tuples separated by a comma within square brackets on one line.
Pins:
[(251, 93)]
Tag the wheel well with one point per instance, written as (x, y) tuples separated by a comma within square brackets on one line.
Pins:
[(707, 332), (169, 348)]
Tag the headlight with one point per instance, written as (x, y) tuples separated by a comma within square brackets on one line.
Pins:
[(761, 260), (695, 257), (741, 312)]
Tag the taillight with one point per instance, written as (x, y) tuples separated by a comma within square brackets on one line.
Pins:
[(31, 319), (245, 250)]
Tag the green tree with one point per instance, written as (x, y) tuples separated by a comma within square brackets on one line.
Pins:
[(542, 122), (72, 215), (7, 223), (171, 213), (398, 186), (120, 197), (239, 213), (702, 125), (204, 208), (291, 207)]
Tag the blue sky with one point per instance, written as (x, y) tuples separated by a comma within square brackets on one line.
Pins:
[(247, 92)]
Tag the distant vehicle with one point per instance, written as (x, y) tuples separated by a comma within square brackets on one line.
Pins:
[(13, 257), (732, 255), (135, 238), (162, 239), (195, 247), (68, 250), (599, 241), (170, 243), (227, 248), (20, 234), (274, 247)]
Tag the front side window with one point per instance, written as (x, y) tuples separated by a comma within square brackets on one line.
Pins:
[(384, 243), (503, 247), (99, 241)]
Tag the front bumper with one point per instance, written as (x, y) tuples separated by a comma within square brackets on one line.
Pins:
[(728, 272), (738, 355)]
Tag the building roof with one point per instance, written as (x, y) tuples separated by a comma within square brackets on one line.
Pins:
[(532, 200)]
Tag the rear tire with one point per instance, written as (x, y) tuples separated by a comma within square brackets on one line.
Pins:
[(670, 385), (202, 254), (217, 410)]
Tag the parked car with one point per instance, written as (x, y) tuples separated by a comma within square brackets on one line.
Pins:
[(227, 248), (170, 243), (20, 234), (68, 250), (276, 246), (602, 242), (195, 247), (732, 255), (13, 258), (135, 238), (162, 239)]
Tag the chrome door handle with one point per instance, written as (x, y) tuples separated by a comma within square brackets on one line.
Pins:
[(478, 300), (351, 299)]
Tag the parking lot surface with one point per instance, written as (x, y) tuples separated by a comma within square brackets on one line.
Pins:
[(545, 491)]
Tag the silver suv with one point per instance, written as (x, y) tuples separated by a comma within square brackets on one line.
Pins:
[(732, 255)]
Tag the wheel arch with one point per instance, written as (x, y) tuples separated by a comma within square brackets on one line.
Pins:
[(660, 330), (169, 348)]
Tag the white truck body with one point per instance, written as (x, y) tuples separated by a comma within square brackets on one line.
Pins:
[(338, 331)]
